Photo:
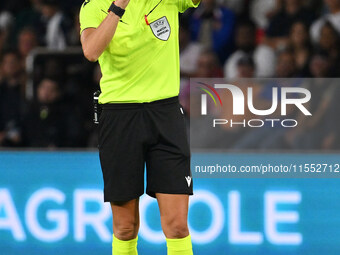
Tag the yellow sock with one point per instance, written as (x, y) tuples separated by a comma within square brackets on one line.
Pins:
[(180, 246), (120, 247)]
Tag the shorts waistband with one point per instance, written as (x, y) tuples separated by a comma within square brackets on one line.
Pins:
[(113, 106)]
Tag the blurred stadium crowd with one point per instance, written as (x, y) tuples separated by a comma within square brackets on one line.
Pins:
[(221, 38)]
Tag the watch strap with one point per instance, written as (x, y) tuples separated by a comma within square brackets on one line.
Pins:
[(116, 10)]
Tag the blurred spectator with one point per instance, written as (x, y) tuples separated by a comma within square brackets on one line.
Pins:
[(245, 41), (320, 65), (9, 16), (55, 25), (6, 20), (245, 67), (286, 65), (237, 6), (11, 99), (208, 65), (73, 36), (262, 10), (6, 23), (14, 6), (333, 17), (189, 54), (2, 41), (281, 23), (48, 122), (330, 42), (55, 69), (300, 46), (212, 25), (27, 18), (27, 41)]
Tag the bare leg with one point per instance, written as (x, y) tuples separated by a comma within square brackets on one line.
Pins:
[(125, 219), (174, 214)]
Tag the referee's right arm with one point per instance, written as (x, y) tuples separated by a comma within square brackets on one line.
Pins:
[(95, 40)]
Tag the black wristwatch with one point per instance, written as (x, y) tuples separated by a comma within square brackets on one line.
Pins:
[(116, 10)]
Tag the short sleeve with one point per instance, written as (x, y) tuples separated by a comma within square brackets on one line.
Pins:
[(183, 5), (90, 15)]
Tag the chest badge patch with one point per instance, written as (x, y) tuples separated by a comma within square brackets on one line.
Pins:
[(161, 28)]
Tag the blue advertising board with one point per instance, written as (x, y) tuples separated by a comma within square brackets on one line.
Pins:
[(52, 203)]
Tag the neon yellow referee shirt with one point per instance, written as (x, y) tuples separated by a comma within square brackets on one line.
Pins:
[(141, 63)]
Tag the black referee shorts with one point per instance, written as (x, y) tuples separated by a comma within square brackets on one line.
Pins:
[(132, 136)]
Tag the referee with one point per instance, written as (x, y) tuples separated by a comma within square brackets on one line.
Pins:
[(142, 122)]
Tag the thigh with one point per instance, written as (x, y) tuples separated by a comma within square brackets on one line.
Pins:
[(172, 205), (174, 214)]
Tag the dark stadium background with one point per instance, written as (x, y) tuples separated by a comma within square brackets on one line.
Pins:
[(46, 89)]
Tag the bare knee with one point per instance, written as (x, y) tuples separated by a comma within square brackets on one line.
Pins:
[(125, 219), (175, 227), (126, 230)]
